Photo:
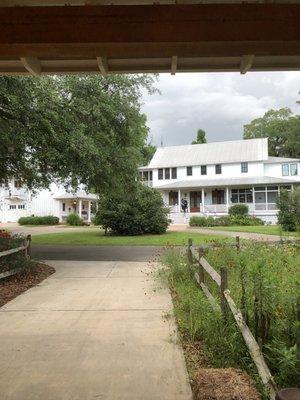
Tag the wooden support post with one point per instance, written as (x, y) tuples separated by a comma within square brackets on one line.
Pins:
[(28, 250), (237, 243), (223, 287), (201, 270), (189, 253)]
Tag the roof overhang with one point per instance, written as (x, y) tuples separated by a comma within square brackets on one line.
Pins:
[(148, 38), (231, 182)]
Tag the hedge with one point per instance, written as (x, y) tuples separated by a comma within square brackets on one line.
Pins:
[(228, 220), (74, 220), (33, 220)]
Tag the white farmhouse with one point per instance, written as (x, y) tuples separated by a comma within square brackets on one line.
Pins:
[(213, 176), (17, 201)]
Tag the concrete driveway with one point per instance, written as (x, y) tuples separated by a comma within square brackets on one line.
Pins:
[(93, 330), (40, 229)]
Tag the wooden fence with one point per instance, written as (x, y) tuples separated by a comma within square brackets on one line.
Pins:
[(26, 247), (228, 305)]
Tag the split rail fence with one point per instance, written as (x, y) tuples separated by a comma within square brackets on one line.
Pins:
[(25, 248), (228, 305)]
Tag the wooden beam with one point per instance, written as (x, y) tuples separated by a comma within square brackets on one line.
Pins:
[(174, 65), (189, 23), (32, 65), (102, 64), (246, 63)]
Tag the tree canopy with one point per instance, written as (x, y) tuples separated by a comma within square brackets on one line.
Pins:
[(282, 128), (200, 137), (74, 129), (148, 151)]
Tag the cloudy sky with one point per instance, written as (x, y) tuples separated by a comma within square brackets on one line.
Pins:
[(219, 103)]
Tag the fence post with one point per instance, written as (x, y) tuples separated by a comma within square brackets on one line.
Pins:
[(201, 270), (189, 252), (223, 287), (237, 243), (28, 249)]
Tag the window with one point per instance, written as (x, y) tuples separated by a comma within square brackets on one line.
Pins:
[(203, 170), (150, 176), (173, 198), (244, 167), (189, 171), (167, 173), (64, 206), (218, 169), (160, 173), (145, 175), (21, 206), (12, 206), (294, 169), (241, 196), (174, 173), (285, 169)]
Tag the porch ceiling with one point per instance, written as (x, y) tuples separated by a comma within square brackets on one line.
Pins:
[(227, 182), (147, 37)]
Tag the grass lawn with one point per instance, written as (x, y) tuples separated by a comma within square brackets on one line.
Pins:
[(97, 238), (264, 229)]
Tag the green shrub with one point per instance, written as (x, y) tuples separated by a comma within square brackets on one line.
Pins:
[(134, 213), (74, 220), (238, 209), (35, 220), (226, 220), (288, 204), (263, 283), (198, 221)]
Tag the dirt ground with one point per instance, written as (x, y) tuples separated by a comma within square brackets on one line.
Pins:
[(12, 286), (223, 384)]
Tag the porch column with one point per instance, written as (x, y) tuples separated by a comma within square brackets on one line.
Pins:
[(80, 208), (89, 212), (179, 200), (203, 199), (227, 198)]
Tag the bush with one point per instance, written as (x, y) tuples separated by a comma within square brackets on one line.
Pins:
[(46, 220), (140, 211), (238, 209), (288, 204), (263, 283), (227, 220), (74, 220)]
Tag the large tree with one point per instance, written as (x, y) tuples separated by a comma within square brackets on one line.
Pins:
[(79, 130), (200, 137), (281, 127)]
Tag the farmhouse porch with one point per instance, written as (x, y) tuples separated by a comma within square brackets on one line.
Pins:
[(79, 203), (216, 201)]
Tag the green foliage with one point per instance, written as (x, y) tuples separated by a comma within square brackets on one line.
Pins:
[(228, 220), (239, 209), (34, 220), (65, 127), (281, 127), (264, 283), (147, 152), (200, 137), (74, 220), (288, 204), (133, 213)]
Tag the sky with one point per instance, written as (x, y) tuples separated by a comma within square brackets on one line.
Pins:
[(219, 103)]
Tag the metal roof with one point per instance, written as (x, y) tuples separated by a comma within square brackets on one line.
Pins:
[(273, 160), (255, 180), (211, 153), (75, 196)]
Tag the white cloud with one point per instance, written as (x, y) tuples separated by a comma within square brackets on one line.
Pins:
[(218, 103)]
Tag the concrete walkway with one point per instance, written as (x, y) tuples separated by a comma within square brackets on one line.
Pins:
[(93, 330), (244, 235), (14, 227)]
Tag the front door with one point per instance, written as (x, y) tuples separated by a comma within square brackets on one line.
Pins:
[(218, 196), (195, 201)]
